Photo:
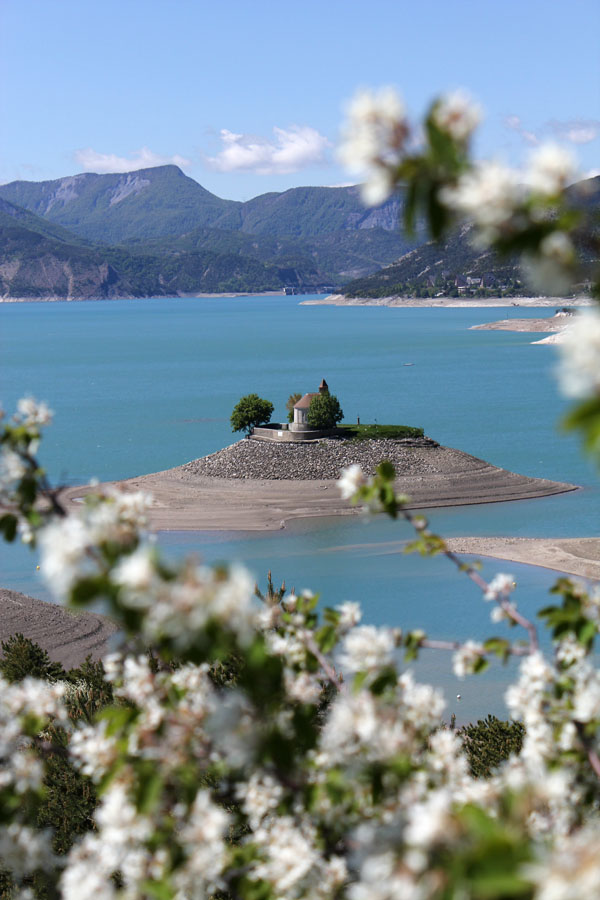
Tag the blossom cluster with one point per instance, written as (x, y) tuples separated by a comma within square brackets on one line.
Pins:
[(510, 209), (268, 746)]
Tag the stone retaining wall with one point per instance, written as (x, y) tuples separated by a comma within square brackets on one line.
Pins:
[(284, 434)]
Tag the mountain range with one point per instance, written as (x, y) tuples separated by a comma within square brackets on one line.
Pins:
[(456, 266), (157, 232)]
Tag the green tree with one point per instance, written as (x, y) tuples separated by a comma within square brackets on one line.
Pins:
[(249, 412), (22, 658), (291, 402), (324, 411)]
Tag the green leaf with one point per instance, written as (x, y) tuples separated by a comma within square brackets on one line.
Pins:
[(386, 470), (8, 526)]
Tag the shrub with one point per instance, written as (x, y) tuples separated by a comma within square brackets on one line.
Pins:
[(489, 743), (23, 657), (250, 412), (291, 402), (324, 411)]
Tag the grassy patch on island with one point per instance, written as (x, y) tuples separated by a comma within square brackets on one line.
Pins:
[(373, 432)]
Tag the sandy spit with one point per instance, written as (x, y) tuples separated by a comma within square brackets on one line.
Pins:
[(572, 556), (69, 637), (474, 303), (548, 325), (184, 500)]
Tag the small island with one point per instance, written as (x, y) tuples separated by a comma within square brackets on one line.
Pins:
[(276, 474)]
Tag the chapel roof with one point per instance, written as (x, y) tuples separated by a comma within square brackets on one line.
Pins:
[(304, 402)]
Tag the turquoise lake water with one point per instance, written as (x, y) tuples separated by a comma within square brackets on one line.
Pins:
[(140, 386)]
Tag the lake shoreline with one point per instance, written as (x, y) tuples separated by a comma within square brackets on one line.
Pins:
[(221, 492), (68, 636), (445, 302), (579, 557), (180, 296)]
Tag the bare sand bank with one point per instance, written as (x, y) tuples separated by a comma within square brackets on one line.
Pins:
[(67, 636), (459, 302), (551, 324), (441, 476), (573, 556)]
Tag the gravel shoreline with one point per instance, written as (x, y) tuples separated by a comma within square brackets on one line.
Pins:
[(321, 460)]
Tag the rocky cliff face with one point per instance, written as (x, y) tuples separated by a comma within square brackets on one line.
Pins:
[(48, 277)]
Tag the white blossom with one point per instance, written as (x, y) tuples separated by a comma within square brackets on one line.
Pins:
[(12, 469), (366, 647), (423, 703), (500, 586), (569, 650), (457, 114), (23, 850), (350, 480), (202, 838), (136, 571), (572, 870), (381, 878), (373, 140), (93, 750), (488, 195), (302, 687), (260, 796), (579, 367), (429, 821), (289, 854), (558, 246), (466, 658), (34, 412), (350, 615), (551, 168)]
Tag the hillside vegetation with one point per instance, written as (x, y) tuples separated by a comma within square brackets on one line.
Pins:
[(158, 232)]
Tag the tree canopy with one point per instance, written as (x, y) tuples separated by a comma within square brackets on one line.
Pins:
[(250, 412), (324, 411)]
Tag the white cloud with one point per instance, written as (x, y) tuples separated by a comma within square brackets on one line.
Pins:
[(102, 163), (577, 131), (515, 124), (289, 151)]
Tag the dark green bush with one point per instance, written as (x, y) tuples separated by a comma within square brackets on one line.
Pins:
[(22, 657), (490, 742)]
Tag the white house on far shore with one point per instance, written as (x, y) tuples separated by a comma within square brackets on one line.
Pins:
[(300, 422)]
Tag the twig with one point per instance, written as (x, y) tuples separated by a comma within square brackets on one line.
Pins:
[(592, 756), (332, 675), (510, 610)]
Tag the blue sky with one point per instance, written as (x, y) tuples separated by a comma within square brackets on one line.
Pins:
[(107, 86)]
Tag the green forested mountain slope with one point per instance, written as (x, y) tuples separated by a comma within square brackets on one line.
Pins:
[(40, 260), (112, 208), (301, 237), (446, 266), (310, 211), (12, 216), (162, 202), (339, 255)]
